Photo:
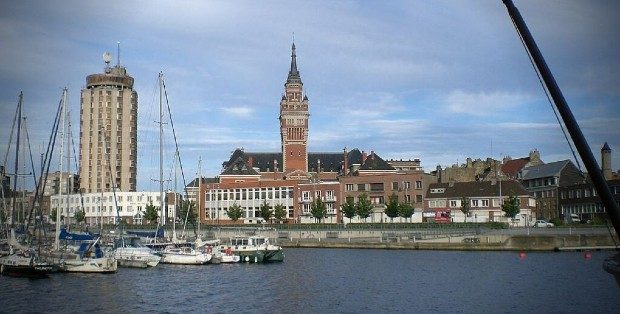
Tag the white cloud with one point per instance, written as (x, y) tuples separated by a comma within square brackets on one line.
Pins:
[(483, 103), (239, 112)]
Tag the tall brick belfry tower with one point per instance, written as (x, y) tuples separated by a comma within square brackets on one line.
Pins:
[(294, 124)]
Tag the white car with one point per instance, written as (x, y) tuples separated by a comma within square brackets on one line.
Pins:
[(543, 224)]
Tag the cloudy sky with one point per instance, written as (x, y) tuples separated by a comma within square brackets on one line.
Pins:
[(435, 80)]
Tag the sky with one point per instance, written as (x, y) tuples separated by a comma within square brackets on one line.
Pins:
[(435, 80)]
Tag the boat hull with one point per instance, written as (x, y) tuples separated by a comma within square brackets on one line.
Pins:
[(21, 266), (260, 256), (104, 265)]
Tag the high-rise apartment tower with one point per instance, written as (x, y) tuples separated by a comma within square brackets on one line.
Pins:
[(108, 131)]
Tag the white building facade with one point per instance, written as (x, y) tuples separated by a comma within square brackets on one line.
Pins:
[(101, 207)]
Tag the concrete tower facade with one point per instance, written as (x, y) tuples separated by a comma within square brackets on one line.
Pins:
[(606, 161), (294, 123), (108, 131)]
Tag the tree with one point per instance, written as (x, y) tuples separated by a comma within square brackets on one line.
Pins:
[(53, 215), (391, 210), (465, 207), (279, 213), (405, 210), (318, 209), (265, 211), (188, 209), (234, 212), (150, 213), (511, 207), (363, 206), (2, 217), (79, 216), (348, 208)]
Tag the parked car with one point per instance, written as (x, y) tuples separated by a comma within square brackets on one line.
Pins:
[(543, 224)]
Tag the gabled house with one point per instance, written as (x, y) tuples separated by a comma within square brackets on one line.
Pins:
[(543, 182)]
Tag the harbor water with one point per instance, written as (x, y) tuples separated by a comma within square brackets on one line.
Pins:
[(336, 281)]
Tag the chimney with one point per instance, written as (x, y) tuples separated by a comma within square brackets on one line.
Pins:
[(372, 154), (363, 157), (346, 162), (318, 167), (275, 169), (251, 161)]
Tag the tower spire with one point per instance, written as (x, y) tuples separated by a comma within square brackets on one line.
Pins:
[(293, 73)]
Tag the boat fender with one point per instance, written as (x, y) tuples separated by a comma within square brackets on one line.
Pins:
[(247, 258), (209, 249)]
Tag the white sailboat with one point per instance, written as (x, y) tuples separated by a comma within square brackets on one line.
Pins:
[(20, 260), (130, 252), (88, 258), (174, 254)]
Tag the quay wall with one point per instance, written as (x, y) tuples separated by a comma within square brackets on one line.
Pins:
[(460, 240)]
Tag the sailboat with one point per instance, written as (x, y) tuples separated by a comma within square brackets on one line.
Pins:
[(22, 260), (174, 253), (88, 257)]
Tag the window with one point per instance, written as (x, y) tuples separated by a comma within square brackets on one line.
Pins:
[(376, 187), (474, 203), (418, 198), (407, 185), (306, 195), (418, 185), (349, 187), (454, 204), (317, 194), (361, 187), (484, 203), (394, 185), (329, 195), (586, 193)]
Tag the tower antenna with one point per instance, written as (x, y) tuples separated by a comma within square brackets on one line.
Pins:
[(118, 53)]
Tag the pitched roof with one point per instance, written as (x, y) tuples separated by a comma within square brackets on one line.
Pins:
[(545, 170), (476, 189), (374, 162), (239, 168), (194, 182), (512, 167), (330, 162)]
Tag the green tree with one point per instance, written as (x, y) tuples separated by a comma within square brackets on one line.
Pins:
[(278, 212), (79, 216), (405, 210), (265, 211), (188, 209), (391, 210), (150, 213), (511, 207), (2, 217), (348, 208), (318, 209), (234, 212), (363, 207), (465, 207)]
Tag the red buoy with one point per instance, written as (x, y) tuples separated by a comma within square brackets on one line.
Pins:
[(587, 255), (522, 255)]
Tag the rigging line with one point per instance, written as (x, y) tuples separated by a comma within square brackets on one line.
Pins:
[(6, 156), (176, 144), (34, 173), (47, 160), (529, 55), (111, 177), (72, 144)]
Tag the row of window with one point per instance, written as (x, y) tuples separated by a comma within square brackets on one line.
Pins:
[(248, 194), (378, 187), (541, 182)]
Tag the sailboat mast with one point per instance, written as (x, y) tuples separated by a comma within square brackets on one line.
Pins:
[(62, 150), (161, 148), (19, 121), (198, 197), (176, 200)]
